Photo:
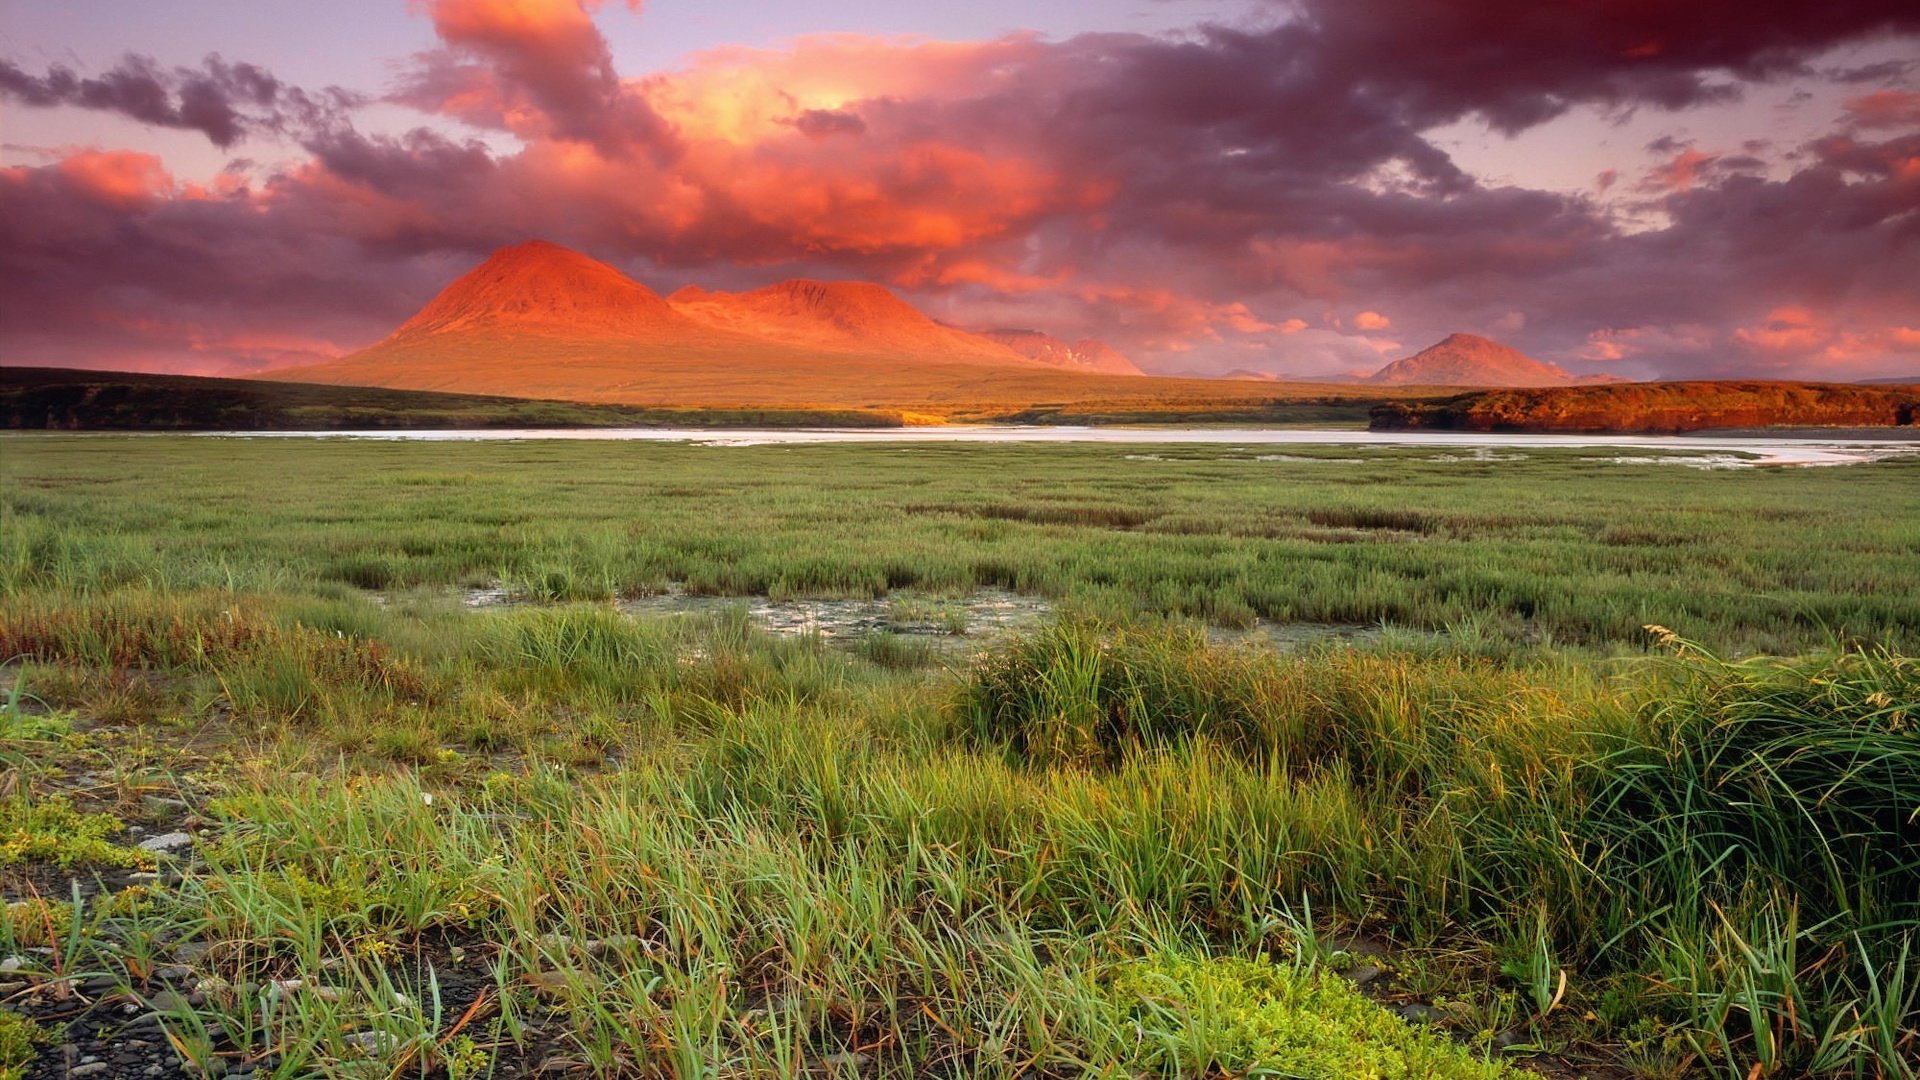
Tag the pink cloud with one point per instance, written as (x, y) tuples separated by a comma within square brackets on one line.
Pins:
[(1885, 109)]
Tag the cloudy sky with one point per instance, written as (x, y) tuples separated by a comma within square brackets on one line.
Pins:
[(1648, 188)]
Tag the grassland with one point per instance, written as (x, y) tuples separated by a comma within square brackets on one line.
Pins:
[(66, 400), (429, 841), (61, 399)]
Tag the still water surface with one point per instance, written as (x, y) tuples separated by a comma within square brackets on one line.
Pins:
[(1698, 451)]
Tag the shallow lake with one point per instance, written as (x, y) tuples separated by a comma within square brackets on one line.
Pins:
[(1698, 451)]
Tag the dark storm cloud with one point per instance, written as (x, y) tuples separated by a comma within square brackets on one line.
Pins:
[(224, 101)]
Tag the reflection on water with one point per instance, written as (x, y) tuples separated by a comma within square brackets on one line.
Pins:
[(1741, 451)]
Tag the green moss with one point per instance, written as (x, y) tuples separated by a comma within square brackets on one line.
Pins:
[(18, 1037), (38, 922), (52, 831), (1201, 1016)]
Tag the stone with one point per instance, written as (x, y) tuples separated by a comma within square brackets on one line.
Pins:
[(1362, 974), (1418, 1013), (369, 1042), (166, 843)]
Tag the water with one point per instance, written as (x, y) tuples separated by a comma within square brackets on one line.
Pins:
[(1698, 451)]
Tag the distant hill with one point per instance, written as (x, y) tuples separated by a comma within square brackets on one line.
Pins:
[(1659, 407), (62, 399), (1087, 354), (1470, 360)]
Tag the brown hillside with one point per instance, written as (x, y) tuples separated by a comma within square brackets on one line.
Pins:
[(1659, 407)]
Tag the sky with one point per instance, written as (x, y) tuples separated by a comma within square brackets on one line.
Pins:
[(1290, 187)]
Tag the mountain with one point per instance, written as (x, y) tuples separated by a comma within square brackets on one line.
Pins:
[(1469, 360), (1087, 354), (1660, 407), (539, 321), (840, 316), (538, 287)]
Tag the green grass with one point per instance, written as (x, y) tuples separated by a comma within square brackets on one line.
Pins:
[(1556, 545), (1112, 846)]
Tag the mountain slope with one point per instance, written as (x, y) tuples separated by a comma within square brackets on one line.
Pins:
[(1470, 360), (1087, 354), (850, 316), (538, 287)]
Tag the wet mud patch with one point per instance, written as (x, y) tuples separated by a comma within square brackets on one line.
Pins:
[(986, 614), (937, 621), (1289, 636)]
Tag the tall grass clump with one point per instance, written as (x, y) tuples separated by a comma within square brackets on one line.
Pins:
[(1738, 842), (1760, 835), (1090, 693)]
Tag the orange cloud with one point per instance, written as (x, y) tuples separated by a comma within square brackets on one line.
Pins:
[(1371, 320), (1681, 173), (1796, 334), (743, 95), (1791, 329), (122, 178)]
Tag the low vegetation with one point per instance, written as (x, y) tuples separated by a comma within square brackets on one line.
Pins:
[(62, 399), (421, 840)]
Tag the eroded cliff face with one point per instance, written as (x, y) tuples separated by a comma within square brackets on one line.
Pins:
[(1660, 407)]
